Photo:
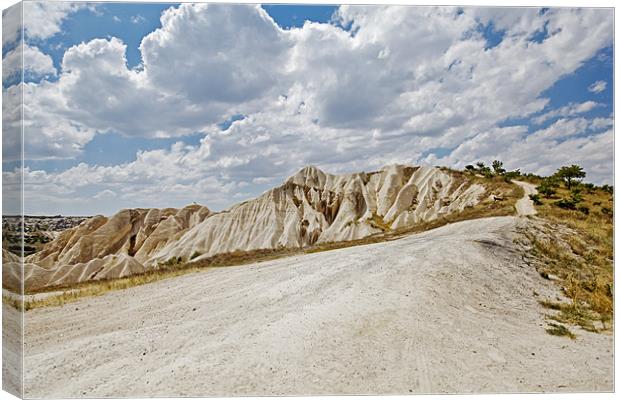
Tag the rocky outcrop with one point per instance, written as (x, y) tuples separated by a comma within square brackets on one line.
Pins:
[(137, 233), (315, 207), (311, 207), (103, 248)]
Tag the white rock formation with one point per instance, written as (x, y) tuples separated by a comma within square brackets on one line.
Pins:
[(103, 248), (310, 207), (315, 207)]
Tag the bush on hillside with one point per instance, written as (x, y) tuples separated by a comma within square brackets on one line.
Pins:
[(536, 199)]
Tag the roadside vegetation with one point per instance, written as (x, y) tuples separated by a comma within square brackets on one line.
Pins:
[(171, 268), (577, 247), (496, 171), (560, 330)]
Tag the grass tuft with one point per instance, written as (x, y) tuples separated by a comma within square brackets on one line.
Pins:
[(560, 330)]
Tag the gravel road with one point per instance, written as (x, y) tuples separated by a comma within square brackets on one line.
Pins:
[(448, 310), (524, 205)]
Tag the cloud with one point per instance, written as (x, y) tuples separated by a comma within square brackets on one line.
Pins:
[(597, 87), (137, 19), (96, 92), (319, 94), (36, 65), (234, 59), (39, 20), (12, 123), (565, 128), (175, 173), (12, 25), (587, 142), (105, 194), (221, 54), (44, 19), (569, 110), (222, 169)]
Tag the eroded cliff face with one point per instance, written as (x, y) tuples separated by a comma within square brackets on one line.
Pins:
[(104, 248), (315, 207), (310, 207)]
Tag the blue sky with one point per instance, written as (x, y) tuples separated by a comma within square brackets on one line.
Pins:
[(573, 88), (128, 21), (131, 22), (240, 102)]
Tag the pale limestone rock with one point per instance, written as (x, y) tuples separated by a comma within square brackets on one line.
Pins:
[(103, 248), (310, 207), (316, 207)]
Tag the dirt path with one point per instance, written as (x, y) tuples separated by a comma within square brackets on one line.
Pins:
[(525, 206), (448, 310)]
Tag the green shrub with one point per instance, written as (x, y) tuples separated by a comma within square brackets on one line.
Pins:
[(608, 189), (173, 261), (484, 170), (546, 190), (589, 187), (559, 330), (498, 167), (510, 175), (571, 175), (536, 199), (566, 204), (584, 210)]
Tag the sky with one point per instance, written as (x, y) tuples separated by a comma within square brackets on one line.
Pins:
[(164, 105)]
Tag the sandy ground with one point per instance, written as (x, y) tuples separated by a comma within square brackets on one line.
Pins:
[(449, 310), (524, 205), (12, 371)]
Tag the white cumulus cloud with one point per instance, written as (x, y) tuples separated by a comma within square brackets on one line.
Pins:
[(567, 111), (43, 19), (30, 59), (402, 82), (597, 87)]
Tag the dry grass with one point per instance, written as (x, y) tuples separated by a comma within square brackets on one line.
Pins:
[(96, 288), (579, 251), (171, 269), (377, 222), (568, 313), (486, 208), (15, 302), (560, 330)]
